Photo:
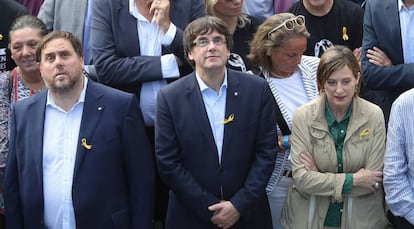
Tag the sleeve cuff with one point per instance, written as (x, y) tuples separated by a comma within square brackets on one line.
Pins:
[(169, 66), (347, 187)]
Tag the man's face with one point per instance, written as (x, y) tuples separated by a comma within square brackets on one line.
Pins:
[(61, 67), (210, 51)]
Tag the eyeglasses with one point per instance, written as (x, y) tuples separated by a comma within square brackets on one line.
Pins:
[(218, 41), (289, 24)]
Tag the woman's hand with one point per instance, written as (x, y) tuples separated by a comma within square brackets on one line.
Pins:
[(367, 179), (307, 160)]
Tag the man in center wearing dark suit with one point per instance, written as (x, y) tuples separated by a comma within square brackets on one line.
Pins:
[(215, 138), (78, 157)]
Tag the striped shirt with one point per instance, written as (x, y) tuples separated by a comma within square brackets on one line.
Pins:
[(399, 158)]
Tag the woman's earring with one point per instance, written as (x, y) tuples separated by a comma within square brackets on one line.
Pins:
[(356, 89)]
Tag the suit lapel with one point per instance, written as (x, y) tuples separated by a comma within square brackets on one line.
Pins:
[(233, 103), (393, 20), (200, 114), (93, 109), (127, 24), (35, 121)]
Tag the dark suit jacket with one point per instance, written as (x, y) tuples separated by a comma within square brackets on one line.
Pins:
[(382, 29), (187, 155), (113, 183), (115, 43)]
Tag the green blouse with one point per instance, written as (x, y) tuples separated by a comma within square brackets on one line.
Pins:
[(338, 132)]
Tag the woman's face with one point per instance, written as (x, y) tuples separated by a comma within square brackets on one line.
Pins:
[(228, 7), (286, 58), (340, 89), (23, 44)]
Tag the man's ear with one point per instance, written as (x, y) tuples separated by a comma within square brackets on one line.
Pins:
[(190, 56)]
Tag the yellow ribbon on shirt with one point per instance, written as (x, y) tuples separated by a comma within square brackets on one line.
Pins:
[(345, 36)]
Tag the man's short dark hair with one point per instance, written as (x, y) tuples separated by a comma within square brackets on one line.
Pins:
[(75, 42), (202, 26)]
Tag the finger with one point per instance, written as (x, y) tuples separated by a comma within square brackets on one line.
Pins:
[(214, 207)]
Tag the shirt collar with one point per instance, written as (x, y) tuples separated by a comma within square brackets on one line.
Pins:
[(51, 102), (401, 5), (330, 118), (203, 86), (133, 10)]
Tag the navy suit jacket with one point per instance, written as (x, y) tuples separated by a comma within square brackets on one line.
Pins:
[(382, 30), (187, 155), (115, 43), (113, 182)]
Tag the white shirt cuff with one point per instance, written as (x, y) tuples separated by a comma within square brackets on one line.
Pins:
[(169, 66)]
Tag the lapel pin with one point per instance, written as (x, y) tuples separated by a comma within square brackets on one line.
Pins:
[(236, 93), (364, 133), (85, 144), (228, 120), (99, 108)]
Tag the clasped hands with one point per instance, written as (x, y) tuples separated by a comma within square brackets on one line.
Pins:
[(225, 215), (364, 178)]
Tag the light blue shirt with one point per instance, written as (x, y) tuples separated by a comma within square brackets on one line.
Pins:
[(60, 141), (259, 8), (215, 104), (407, 31), (150, 44), (399, 158)]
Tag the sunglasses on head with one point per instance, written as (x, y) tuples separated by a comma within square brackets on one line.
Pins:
[(289, 24)]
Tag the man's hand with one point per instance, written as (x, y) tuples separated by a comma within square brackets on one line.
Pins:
[(225, 214), (378, 57), (161, 11)]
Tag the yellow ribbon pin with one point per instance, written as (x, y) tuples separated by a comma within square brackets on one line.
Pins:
[(1, 36), (85, 144), (228, 120), (345, 36), (364, 133)]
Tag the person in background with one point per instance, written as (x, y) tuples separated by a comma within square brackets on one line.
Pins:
[(240, 25), (78, 157), (398, 163), (259, 8), (276, 51), (387, 51), (32, 5), (9, 11), (331, 22), (19, 83), (74, 16), (215, 137), (337, 153), (265, 8), (137, 47)]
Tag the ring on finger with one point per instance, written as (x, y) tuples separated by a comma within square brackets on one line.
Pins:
[(377, 185)]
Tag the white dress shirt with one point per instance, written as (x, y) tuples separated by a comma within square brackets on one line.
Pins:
[(60, 141), (151, 40)]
